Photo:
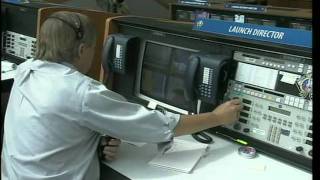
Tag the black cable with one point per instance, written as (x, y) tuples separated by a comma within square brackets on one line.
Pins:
[(202, 137)]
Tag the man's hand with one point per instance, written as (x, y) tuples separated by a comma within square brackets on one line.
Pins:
[(110, 148), (229, 111)]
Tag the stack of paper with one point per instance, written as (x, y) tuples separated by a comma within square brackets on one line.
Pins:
[(182, 156)]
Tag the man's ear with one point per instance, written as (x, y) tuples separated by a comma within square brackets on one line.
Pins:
[(81, 49)]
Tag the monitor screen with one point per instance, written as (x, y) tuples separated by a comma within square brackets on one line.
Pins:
[(163, 75)]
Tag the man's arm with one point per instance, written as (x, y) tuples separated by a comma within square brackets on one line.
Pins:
[(226, 113)]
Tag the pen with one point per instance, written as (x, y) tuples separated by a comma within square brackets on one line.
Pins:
[(233, 139)]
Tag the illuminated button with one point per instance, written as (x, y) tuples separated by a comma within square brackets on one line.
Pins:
[(296, 100), (282, 67), (300, 70), (291, 103), (264, 96), (260, 95), (301, 101), (301, 65), (309, 67), (274, 65), (286, 101), (301, 126), (267, 64), (291, 98), (287, 98), (308, 71), (301, 105), (289, 65), (263, 63), (278, 99), (264, 116), (296, 104), (270, 64), (278, 66), (252, 93), (310, 108), (256, 94)]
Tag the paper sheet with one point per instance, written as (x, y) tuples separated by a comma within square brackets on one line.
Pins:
[(289, 78), (182, 156)]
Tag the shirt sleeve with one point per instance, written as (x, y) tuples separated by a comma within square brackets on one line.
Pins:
[(109, 113)]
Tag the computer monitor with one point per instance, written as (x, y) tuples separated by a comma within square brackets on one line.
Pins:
[(162, 76)]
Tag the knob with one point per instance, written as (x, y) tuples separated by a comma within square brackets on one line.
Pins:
[(246, 130), (310, 153), (299, 148), (237, 126)]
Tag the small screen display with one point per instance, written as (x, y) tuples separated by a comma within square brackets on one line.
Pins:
[(163, 75), (281, 111), (256, 75)]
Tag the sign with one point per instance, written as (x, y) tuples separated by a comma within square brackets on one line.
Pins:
[(195, 2), (246, 7), (294, 37)]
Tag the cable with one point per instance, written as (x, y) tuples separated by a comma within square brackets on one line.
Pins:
[(201, 136)]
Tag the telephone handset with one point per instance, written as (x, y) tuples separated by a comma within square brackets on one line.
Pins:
[(116, 52), (205, 81), (210, 77)]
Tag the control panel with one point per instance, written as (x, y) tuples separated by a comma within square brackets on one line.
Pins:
[(276, 92), (19, 45)]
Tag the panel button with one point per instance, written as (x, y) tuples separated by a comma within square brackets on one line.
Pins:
[(244, 114), (246, 130), (309, 135), (299, 148), (309, 142), (246, 108), (246, 101), (243, 120)]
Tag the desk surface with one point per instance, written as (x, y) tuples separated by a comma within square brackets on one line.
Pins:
[(221, 162)]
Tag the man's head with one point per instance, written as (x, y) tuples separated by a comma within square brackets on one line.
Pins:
[(67, 37)]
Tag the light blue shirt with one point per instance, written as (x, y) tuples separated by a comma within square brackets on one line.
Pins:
[(55, 118)]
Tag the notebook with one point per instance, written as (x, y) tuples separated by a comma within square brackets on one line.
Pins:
[(182, 156)]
